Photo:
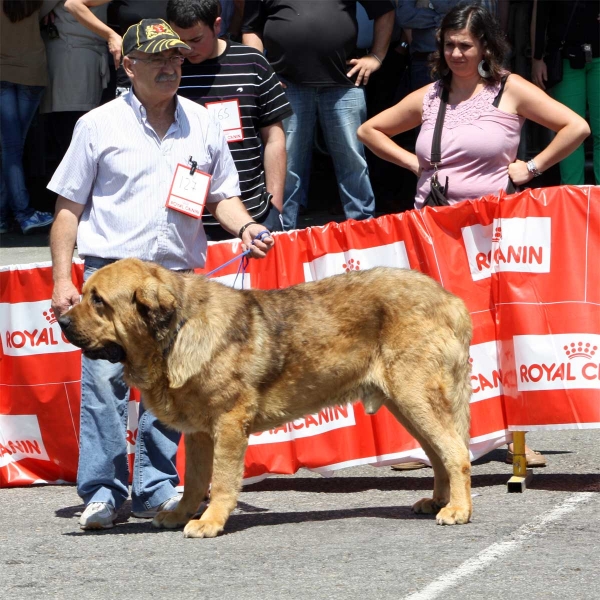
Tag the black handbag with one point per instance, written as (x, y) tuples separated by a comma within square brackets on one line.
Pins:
[(554, 58)]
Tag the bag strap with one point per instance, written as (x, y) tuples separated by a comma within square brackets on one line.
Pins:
[(564, 36), (498, 97), (436, 152)]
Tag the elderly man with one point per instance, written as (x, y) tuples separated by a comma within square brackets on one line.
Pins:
[(135, 180)]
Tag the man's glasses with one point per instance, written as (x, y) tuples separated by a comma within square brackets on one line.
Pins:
[(159, 62)]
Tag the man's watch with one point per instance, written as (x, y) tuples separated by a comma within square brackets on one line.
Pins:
[(532, 168)]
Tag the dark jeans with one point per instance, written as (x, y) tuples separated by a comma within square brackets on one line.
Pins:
[(271, 220), (18, 104)]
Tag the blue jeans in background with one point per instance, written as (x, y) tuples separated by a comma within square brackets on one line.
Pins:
[(18, 104), (103, 471), (341, 111)]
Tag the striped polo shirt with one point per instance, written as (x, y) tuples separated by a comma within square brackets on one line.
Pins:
[(240, 76)]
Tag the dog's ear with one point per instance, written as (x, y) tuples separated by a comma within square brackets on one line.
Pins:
[(157, 305)]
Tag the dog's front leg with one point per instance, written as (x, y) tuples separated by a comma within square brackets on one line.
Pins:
[(199, 452), (231, 441)]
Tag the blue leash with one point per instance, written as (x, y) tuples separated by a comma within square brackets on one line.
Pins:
[(243, 258)]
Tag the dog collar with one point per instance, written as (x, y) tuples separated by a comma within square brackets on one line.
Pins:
[(175, 334)]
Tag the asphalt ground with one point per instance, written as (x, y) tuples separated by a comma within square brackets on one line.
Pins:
[(306, 537)]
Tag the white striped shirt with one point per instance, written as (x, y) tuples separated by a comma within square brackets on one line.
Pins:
[(119, 168)]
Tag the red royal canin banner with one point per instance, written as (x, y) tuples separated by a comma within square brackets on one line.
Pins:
[(526, 265)]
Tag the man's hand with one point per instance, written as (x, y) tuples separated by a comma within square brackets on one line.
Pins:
[(539, 72), (363, 67), (64, 296), (259, 247)]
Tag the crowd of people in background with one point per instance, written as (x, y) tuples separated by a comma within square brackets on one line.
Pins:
[(63, 58)]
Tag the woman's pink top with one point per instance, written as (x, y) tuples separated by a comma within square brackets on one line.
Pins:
[(478, 143)]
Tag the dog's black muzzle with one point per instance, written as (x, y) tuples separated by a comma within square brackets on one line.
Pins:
[(111, 352)]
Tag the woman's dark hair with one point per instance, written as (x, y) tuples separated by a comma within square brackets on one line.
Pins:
[(187, 13), (17, 10), (481, 25)]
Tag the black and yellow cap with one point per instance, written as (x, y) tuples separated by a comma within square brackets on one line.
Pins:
[(151, 36)]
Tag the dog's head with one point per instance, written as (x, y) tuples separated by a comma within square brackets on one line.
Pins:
[(128, 308)]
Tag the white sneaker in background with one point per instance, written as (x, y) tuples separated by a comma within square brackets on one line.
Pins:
[(170, 504), (98, 515)]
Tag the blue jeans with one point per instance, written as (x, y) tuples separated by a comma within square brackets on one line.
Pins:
[(341, 111), (18, 105), (103, 471), (420, 73)]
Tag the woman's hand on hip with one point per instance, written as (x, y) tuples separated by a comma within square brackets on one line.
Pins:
[(519, 173)]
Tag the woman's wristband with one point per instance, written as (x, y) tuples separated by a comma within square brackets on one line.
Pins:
[(376, 57), (244, 227)]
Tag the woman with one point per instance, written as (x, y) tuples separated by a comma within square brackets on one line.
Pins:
[(572, 27), (23, 77), (78, 72), (479, 141)]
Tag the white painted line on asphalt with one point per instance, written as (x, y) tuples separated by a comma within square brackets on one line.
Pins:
[(500, 549)]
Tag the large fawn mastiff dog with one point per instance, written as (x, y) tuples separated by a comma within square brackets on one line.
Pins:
[(220, 364)]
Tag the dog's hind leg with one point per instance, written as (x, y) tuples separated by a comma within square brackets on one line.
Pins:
[(199, 449), (231, 441), (429, 416), (441, 482)]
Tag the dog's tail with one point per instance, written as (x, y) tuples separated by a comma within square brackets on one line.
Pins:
[(461, 369)]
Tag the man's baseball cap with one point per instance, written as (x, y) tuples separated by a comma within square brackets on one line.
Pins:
[(151, 36)]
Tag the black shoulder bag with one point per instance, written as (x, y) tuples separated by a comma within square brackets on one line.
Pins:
[(554, 58), (437, 193)]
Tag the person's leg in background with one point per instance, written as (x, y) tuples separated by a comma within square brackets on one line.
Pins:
[(299, 135), (61, 126), (341, 111), (155, 476), (19, 104), (571, 92), (593, 97)]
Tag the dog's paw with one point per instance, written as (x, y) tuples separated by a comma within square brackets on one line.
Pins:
[(170, 519), (202, 529), (453, 515), (428, 506)]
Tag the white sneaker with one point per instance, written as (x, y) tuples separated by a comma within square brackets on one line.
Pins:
[(170, 504), (98, 515)]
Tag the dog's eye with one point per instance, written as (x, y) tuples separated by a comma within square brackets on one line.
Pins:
[(96, 300)]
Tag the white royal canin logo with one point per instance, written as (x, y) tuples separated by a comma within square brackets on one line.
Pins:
[(518, 245), (389, 255), (330, 418), (566, 361), (486, 376), (20, 437), (30, 328)]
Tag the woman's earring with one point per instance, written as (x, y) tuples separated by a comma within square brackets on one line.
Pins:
[(484, 70)]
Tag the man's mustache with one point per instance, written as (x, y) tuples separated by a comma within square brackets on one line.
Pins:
[(167, 77)]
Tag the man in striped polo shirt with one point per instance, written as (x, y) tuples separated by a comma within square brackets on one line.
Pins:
[(237, 85)]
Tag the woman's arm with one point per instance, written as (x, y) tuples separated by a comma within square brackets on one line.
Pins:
[(80, 10), (376, 133), (525, 99)]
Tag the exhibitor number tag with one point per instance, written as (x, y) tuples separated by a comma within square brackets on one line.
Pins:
[(189, 191), (228, 114)]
